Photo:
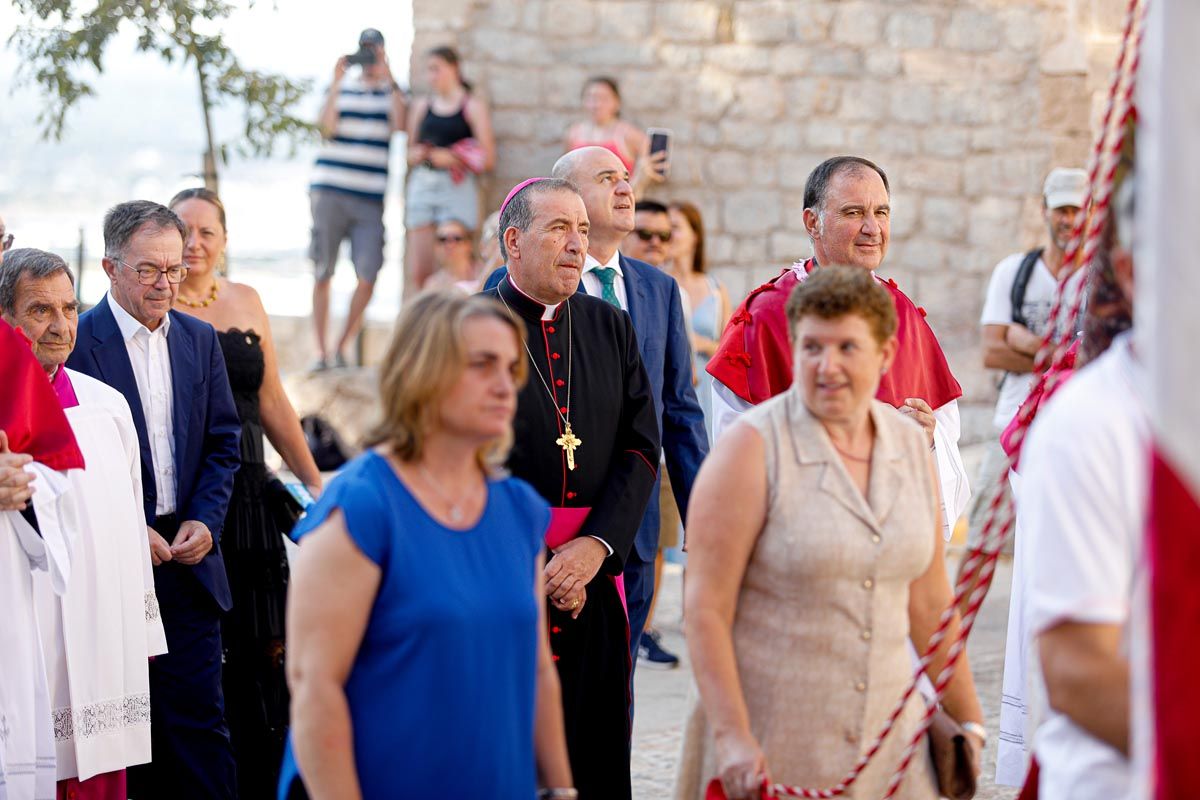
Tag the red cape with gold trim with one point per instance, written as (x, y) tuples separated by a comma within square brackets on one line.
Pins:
[(754, 358), (30, 413)]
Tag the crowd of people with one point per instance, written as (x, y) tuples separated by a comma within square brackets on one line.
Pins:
[(472, 594)]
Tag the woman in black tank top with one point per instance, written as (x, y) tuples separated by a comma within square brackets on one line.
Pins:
[(449, 141), (439, 131)]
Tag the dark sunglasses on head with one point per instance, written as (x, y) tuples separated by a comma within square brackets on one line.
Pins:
[(646, 235), (455, 238)]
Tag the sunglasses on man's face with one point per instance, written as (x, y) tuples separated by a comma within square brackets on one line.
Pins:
[(646, 235), (453, 238)]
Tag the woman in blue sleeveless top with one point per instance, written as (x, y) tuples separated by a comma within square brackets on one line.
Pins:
[(708, 298), (419, 662)]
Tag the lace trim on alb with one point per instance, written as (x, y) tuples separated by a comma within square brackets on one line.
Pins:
[(101, 718), (151, 606)]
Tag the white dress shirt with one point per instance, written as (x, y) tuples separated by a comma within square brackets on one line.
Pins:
[(1082, 511), (151, 362), (592, 285)]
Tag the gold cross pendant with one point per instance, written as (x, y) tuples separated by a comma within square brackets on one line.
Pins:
[(568, 442)]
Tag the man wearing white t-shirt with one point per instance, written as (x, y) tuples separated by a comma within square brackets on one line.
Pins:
[(1014, 320)]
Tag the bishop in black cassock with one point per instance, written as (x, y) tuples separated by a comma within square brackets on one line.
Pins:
[(585, 344)]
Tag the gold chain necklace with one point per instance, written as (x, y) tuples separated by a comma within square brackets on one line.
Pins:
[(569, 442), (205, 303)]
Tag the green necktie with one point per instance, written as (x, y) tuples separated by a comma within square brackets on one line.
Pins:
[(607, 276)]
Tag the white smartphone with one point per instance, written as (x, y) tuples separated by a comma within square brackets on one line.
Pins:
[(660, 142)]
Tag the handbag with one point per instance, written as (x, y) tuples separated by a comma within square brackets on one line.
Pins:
[(951, 758)]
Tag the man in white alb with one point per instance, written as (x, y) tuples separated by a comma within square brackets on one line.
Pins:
[(98, 636)]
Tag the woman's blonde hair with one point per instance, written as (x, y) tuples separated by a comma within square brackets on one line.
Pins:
[(424, 360)]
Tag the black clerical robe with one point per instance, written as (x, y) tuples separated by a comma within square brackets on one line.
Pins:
[(591, 344)]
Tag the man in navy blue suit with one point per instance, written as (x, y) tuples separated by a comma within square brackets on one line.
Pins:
[(170, 368), (651, 297)]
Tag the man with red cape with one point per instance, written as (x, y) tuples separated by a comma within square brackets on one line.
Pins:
[(847, 207), (34, 438)]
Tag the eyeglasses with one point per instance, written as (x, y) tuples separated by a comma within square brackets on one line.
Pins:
[(646, 235), (148, 276), (5, 242), (452, 239)]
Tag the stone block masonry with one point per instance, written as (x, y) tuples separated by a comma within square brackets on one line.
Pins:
[(965, 104)]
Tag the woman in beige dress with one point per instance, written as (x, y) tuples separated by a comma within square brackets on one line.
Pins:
[(814, 553)]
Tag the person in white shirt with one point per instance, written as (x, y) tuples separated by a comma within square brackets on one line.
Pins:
[(36, 517), (1082, 512), (1015, 316), (98, 635), (170, 369)]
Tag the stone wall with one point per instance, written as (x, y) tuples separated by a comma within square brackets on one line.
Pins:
[(965, 104)]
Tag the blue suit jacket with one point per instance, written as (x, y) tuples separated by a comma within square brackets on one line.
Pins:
[(205, 420), (657, 313)]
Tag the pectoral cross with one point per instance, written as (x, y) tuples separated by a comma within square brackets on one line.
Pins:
[(568, 442)]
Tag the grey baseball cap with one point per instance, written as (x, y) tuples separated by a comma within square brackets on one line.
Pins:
[(1065, 187), (370, 36)]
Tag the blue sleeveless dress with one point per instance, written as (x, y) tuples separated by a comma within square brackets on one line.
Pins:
[(441, 693)]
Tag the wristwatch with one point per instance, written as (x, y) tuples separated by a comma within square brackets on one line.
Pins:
[(560, 793)]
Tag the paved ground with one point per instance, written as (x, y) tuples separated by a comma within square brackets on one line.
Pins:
[(662, 696)]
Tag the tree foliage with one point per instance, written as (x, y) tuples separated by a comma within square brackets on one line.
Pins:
[(62, 40)]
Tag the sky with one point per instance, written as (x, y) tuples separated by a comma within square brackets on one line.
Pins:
[(141, 135)]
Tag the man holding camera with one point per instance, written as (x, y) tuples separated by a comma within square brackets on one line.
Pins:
[(360, 114)]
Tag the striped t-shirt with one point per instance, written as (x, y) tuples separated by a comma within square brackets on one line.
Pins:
[(355, 160)]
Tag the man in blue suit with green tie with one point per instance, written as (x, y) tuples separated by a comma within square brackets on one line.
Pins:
[(170, 368)]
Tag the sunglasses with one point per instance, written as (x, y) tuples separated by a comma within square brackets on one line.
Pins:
[(5, 241), (452, 239), (646, 235)]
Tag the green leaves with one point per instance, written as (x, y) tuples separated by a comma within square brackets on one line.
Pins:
[(62, 45)]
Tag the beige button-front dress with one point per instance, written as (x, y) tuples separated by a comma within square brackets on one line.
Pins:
[(821, 627)]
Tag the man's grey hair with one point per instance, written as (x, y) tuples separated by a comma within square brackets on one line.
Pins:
[(124, 220), (37, 264), (519, 211)]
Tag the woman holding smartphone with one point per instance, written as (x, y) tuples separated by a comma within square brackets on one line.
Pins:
[(605, 128)]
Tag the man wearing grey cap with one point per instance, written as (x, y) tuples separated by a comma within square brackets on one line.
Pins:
[(349, 181), (1014, 320)]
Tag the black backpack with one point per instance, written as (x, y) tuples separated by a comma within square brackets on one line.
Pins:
[(1021, 283)]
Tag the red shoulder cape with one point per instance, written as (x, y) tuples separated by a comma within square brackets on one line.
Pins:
[(30, 413), (754, 358)]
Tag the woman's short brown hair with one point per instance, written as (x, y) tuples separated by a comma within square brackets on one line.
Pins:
[(833, 292), (423, 361)]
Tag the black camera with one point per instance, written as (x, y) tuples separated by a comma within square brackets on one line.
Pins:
[(365, 56)]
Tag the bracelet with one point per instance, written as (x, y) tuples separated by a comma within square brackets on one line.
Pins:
[(559, 793), (975, 729)]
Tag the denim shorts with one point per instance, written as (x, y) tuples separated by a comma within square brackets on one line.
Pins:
[(433, 197)]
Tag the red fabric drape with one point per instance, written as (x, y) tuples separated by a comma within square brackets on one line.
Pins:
[(30, 413), (754, 358), (1173, 542)]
